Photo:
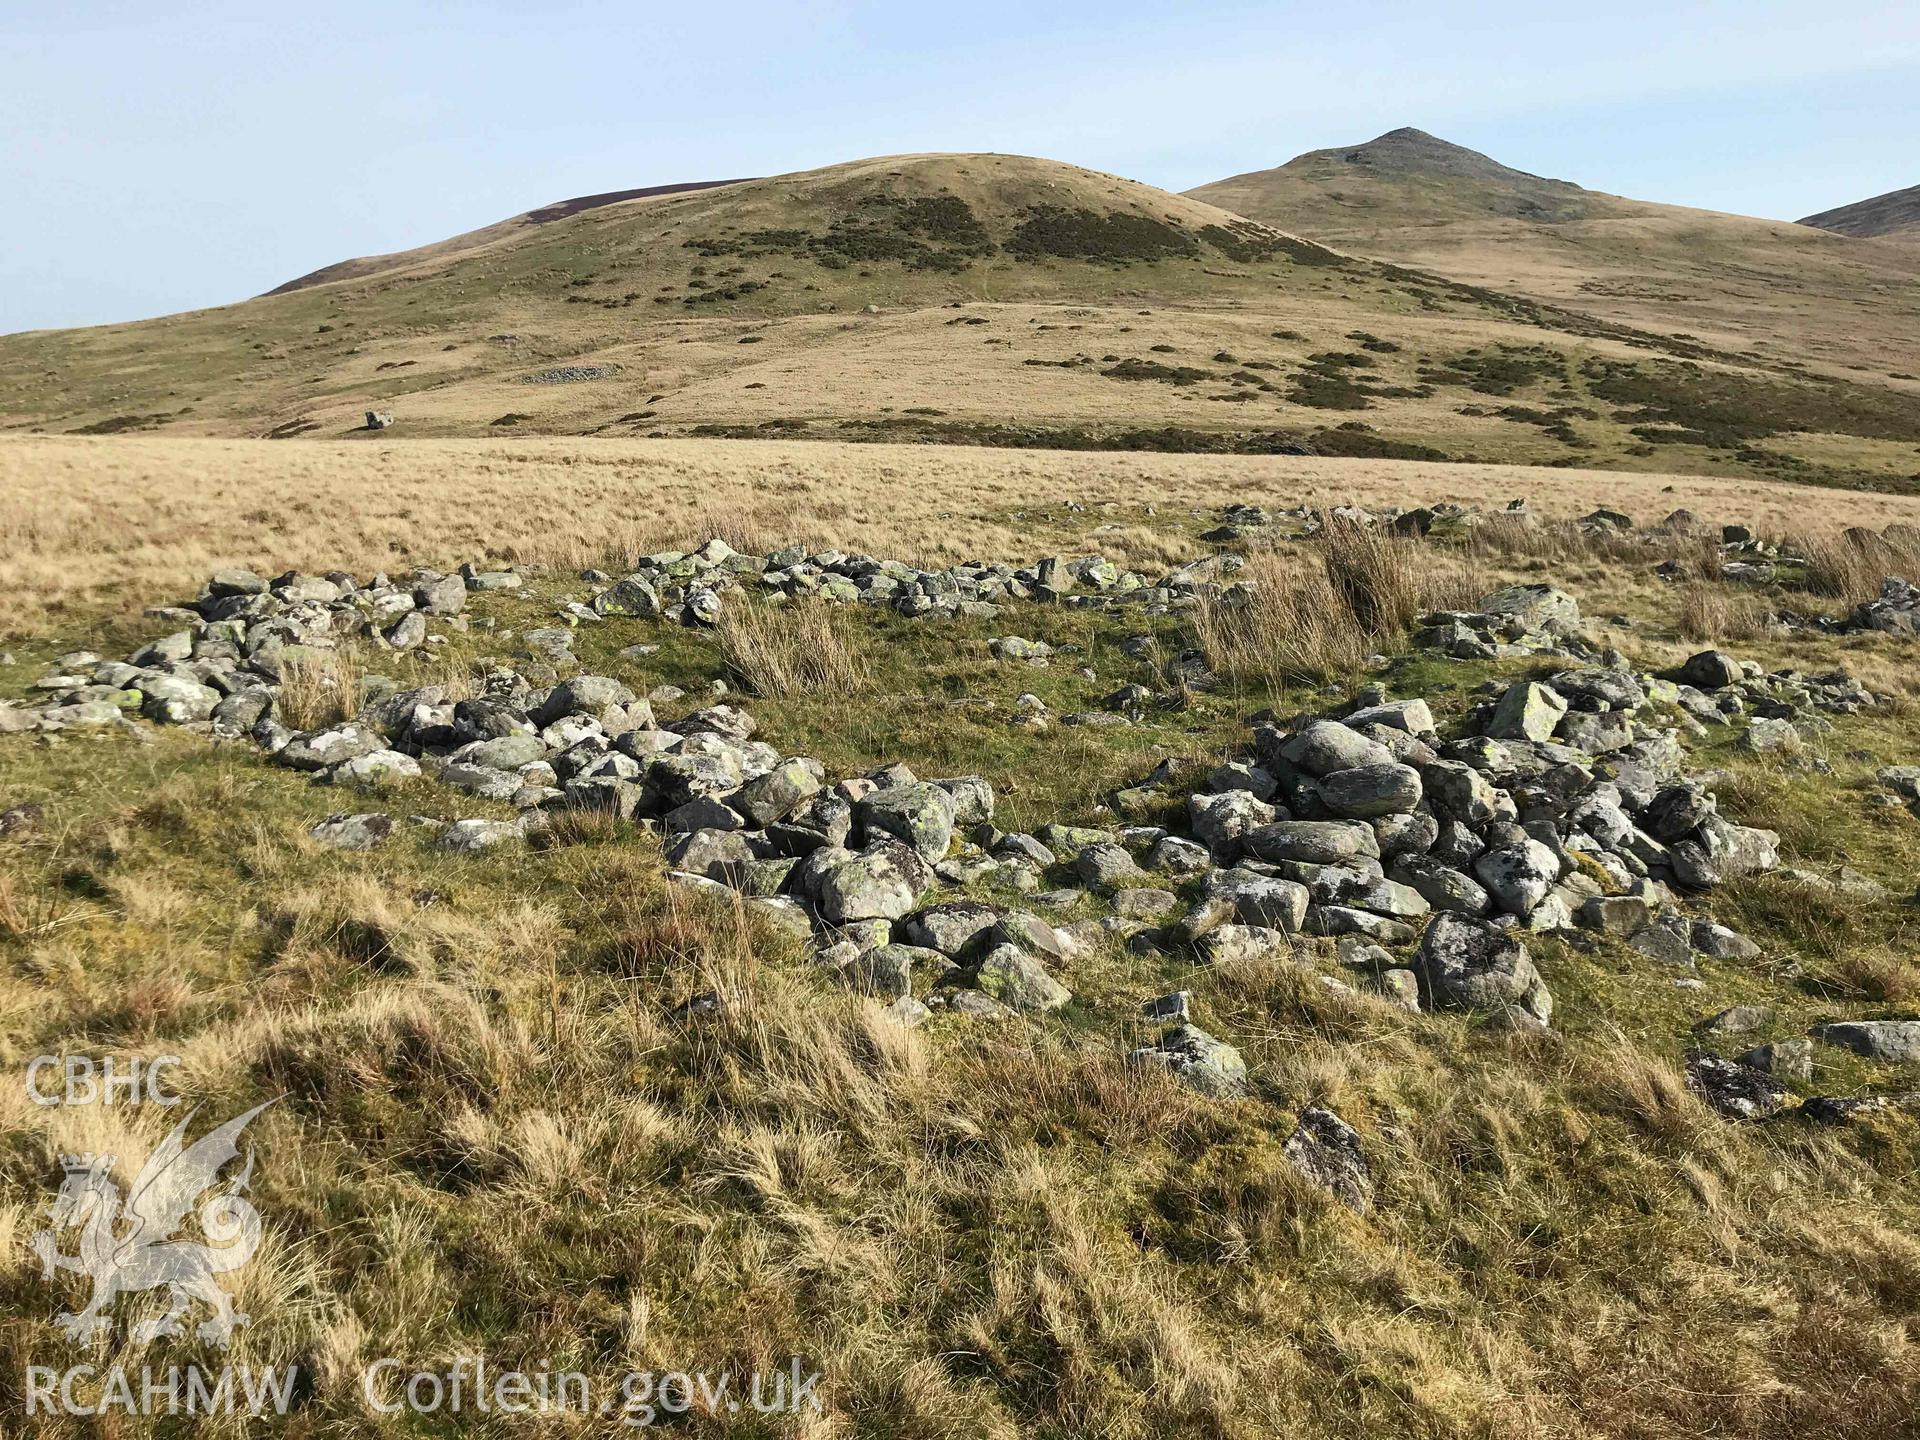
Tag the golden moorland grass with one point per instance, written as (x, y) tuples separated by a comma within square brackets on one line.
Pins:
[(799, 649), (122, 523)]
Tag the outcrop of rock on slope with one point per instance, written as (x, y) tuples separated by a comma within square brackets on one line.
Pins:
[(907, 231), (1894, 217), (1783, 289)]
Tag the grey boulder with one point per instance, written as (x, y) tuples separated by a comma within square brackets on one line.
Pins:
[(1365, 792), (1198, 1060), (1327, 1152), (1463, 963)]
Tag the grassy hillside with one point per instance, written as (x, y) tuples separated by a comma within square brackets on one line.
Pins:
[(1772, 288), (646, 293), (364, 265), (962, 299)]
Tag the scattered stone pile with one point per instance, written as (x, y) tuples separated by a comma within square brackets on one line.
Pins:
[(1564, 806), (1568, 806), (1743, 557), (1303, 522), (1893, 553), (686, 587), (1519, 620), (238, 642), (1894, 611), (1711, 688)]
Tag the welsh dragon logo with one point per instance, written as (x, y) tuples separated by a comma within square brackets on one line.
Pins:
[(127, 1240)]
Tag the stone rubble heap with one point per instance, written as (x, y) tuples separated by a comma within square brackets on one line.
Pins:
[(227, 661), (1712, 687), (238, 643), (1742, 556), (1894, 611), (1518, 621), (687, 587), (1563, 807)]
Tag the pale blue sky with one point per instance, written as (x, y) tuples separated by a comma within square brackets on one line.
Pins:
[(160, 158)]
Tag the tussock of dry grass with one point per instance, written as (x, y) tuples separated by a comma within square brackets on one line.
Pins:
[(1877, 974), (1375, 576), (805, 648), (1849, 565), (1288, 626), (14, 919), (1558, 541), (1711, 612), (1650, 1093), (1320, 614), (320, 689)]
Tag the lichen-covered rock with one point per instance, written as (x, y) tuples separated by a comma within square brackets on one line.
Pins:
[(1367, 791), (1892, 1041), (629, 595), (1237, 944), (444, 596), (1255, 899), (1534, 609), (1459, 792), (592, 695), (774, 795), (175, 701), (1327, 1151), (1791, 1058), (1441, 885), (1528, 711), (1105, 865), (1518, 876), (1412, 716), (1468, 964), (1198, 1060), (1173, 856), (374, 770), (1720, 851), (1324, 746), (1711, 670), (883, 882), (353, 832), (973, 799), (714, 853), (1739, 1092), (1019, 981), (887, 971), (1221, 821), (1313, 842), (323, 749), (953, 927), (470, 837)]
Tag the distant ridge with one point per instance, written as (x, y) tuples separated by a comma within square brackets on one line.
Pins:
[(1893, 216), (1411, 151), (1452, 181), (1800, 291), (359, 269)]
